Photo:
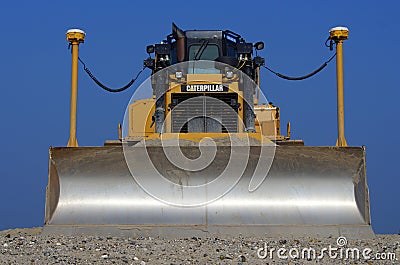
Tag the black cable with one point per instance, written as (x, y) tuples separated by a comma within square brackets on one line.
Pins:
[(112, 90), (300, 77), (326, 45), (330, 46)]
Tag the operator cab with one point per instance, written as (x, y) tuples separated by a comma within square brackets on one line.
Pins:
[(222, 46), (209, 44)]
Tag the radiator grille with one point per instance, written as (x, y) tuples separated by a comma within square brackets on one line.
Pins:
[(199, 112)]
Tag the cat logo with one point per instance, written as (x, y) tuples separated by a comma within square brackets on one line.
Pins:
[(204, 88)]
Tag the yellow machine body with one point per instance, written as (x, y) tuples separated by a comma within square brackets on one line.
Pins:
[(141, 111)]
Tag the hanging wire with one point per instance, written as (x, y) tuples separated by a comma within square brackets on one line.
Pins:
[(100, 84), (301, 77)]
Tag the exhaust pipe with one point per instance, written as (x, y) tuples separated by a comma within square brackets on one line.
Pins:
[(179, 36)]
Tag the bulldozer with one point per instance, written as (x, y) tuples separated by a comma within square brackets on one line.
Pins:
[(200, 153)]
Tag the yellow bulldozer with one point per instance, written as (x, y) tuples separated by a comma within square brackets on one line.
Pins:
[(200, 152)]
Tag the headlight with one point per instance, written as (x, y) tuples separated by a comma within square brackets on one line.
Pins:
[(178, 75)]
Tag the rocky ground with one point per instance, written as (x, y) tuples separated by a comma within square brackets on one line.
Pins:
[(28, 246)]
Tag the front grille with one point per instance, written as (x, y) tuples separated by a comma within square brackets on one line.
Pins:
[(200, 112)]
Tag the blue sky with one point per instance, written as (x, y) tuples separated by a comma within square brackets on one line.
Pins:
[(35, 81)]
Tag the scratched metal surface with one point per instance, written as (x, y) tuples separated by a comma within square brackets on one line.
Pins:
[(306, 186)]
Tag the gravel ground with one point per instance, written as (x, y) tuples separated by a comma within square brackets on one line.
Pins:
[(28, 246)]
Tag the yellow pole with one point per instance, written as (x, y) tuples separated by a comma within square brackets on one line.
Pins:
[(339, 34), (75, 37)]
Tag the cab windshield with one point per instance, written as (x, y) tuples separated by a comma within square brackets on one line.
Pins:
[(203, 52), (206, 53)]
